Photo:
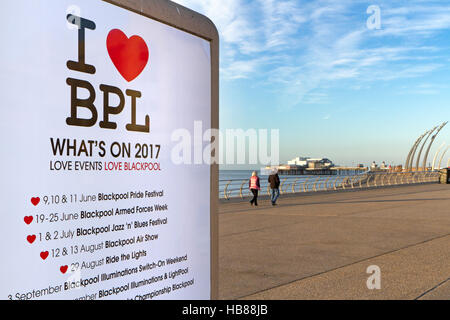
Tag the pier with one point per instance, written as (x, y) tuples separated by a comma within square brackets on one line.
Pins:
[(296, 171)]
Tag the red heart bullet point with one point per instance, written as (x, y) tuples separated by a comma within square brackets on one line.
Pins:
[(44, 255), (28, 220), (31, 239), (63, 269), (35, 201), (129, 55)]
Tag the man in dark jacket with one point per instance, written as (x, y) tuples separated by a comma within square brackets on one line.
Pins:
[(274, 181)]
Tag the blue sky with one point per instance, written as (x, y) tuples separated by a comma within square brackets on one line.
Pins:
[(334, 87)]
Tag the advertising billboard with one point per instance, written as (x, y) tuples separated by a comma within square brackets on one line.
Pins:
[(94, 206)]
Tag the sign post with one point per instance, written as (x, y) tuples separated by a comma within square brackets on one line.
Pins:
[(94, 206)]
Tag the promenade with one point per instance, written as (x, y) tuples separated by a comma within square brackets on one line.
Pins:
[(318, 246)]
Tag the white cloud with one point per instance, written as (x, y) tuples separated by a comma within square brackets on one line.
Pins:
[(244, 36), (416, 20), (306, 45)]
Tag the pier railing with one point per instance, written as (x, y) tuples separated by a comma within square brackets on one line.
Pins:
[(238, 188)]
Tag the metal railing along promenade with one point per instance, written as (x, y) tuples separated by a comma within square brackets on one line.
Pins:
[(238, 188)]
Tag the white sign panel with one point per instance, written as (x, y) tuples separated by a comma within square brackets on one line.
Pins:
[(93, 207)]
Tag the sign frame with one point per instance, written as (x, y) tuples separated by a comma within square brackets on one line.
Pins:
[(184, 19)]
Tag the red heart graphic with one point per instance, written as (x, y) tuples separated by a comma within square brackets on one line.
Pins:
[(31, 239), (35, 201), (44, 255), (63, 269), (130, 56), (28, 220)]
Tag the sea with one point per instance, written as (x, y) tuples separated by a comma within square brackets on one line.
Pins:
[(235, 174)]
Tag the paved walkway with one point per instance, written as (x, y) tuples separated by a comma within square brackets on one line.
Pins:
[(318, 246)]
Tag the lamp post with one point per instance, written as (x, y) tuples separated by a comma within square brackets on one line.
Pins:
[(431, 143)]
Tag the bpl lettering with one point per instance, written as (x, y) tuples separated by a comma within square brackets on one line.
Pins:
[(88, 104)]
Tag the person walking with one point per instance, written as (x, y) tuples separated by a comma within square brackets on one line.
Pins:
[(274, 181), (254, 188)]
